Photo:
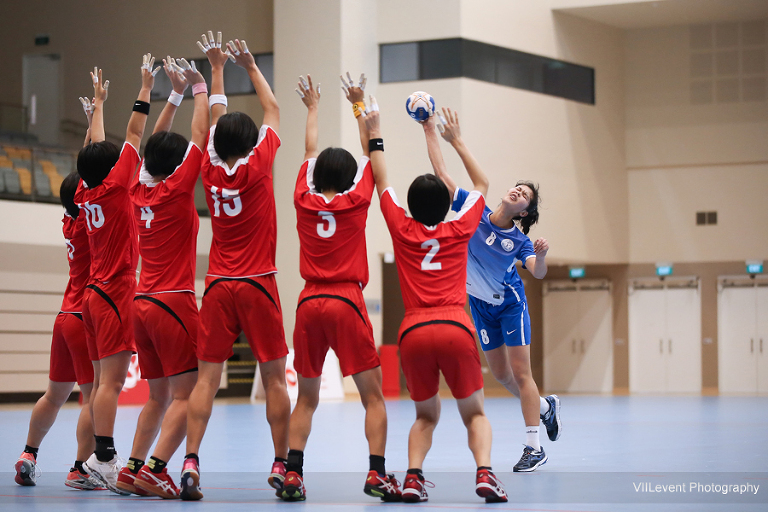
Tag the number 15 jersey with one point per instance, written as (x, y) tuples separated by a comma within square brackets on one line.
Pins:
[(242, 205), (432, 260)]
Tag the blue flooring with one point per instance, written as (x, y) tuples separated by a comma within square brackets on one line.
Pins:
[(613, 452)]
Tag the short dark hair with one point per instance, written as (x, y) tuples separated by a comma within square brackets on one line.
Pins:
[(428, 199), (235, 136), (335, 170), (67, 194), (164, 152), (95, 161), (533, 207)]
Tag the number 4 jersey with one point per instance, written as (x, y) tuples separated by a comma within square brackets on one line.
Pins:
[(432, 260), (332, 232), (241, 200)]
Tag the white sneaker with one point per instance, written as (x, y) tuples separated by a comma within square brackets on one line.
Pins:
[(105, 472)]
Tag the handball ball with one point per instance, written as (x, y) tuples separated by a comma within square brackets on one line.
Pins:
[(420, 106)]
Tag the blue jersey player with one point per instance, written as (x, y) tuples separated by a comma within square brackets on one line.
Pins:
[(496, 292)]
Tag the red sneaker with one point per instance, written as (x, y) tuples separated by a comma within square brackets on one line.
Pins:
[(490, 487), (83, 481), (190, 481), (293, 487), (26, 469), (384, 487), (126, 481), (277, 475), (414, 488), (159, 484)]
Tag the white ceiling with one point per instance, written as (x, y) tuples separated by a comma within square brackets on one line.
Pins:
[(645, 14)]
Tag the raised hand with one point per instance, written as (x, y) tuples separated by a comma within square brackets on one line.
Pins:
[(147, 73), (191, 74), (240, 54), (540, 247), (100, 88), (355, 94), (87, 108), (309, 94), (175, 74), (372, 119), (449, 127), (212, 50)]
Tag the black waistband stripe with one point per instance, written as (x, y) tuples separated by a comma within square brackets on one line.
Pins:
[(337, 297)]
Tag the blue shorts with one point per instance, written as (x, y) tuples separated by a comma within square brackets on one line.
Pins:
[(507, 324)]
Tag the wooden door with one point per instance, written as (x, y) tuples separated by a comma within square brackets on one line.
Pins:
[(595, 373), (561, 338)]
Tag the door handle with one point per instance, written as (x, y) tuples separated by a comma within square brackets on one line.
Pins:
[(751, 345), (670, 346), (582, 346), (761, 345), (573, 346), (661, 346)]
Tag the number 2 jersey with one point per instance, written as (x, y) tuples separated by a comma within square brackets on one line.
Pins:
[(109, 220), (332, 232), (242, 205), (167, 222), (79, 258), (432, 260)]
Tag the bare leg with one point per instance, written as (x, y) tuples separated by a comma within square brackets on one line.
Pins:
[(420, 438), (301, 418), (174, 426), (369, 385), (46, 409), (478, 427), (520, 360), (200, 402), (498, 362), (112, 372), (85, 440), (278, 403), (151, 417)]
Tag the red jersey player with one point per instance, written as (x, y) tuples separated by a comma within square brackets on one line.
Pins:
[(107, 303), (69, 355), (332, 196), (240, 291), (436, 335), (165, 309)]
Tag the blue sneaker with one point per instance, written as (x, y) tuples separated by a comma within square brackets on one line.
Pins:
[(551, 419), (530, 460)]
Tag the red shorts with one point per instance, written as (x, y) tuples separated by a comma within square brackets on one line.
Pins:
[(108, 316), (333, 316), (439, 339), (165, 325), (69, 351), (244, 304)]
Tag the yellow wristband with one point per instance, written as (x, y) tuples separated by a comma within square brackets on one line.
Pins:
[(358, 108)]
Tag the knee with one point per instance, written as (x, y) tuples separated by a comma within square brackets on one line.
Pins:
[(373, 399)]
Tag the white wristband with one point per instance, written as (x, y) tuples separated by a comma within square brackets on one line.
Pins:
[(217, 98), (175, 98)]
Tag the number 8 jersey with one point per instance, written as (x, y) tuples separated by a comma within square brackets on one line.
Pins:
[(332, 232), (242, 205), (432, 260)]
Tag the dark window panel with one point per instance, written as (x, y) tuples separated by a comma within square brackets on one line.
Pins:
[(399, 62), (711, 217), (440, 59), (701, 218)]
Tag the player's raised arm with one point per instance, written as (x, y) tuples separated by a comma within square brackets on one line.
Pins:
[(243, 58), (200, 114), (217, 58), (165, 119), (436, 154), (376, 148), (310, 96), (356, 96), (100, 90), (138, 120), (88, 109), (451, 132)]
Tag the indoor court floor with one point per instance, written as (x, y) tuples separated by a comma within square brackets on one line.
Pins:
[(615, 451)]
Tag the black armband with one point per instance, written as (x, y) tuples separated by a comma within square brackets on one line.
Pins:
[(141, 106), (375, 145)]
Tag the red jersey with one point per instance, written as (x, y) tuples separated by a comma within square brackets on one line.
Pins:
[(332, 232), (242, 205), (108, 218), (79, 257), (432, 261), (167, 222)]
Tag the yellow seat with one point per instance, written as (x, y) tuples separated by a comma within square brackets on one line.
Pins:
[(25, 179)]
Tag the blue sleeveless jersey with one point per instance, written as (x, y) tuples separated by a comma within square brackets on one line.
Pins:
[(491, 273)]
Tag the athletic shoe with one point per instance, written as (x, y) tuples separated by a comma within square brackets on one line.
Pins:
[(26, 469), (551, 419), (384, 487), (415, 488), (159, 484), (489, 487), (83, 481), (293, 487), (190, 481), (277, 475), (530, 460), (106, 472), (126, 481)]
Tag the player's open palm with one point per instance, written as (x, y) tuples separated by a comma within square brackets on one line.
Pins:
[(449, 129)]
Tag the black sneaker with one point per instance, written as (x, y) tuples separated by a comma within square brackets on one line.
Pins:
[(551, 419), (530, 460)]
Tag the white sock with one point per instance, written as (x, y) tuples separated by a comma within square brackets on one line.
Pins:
[(532, 435), (543, 406)]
